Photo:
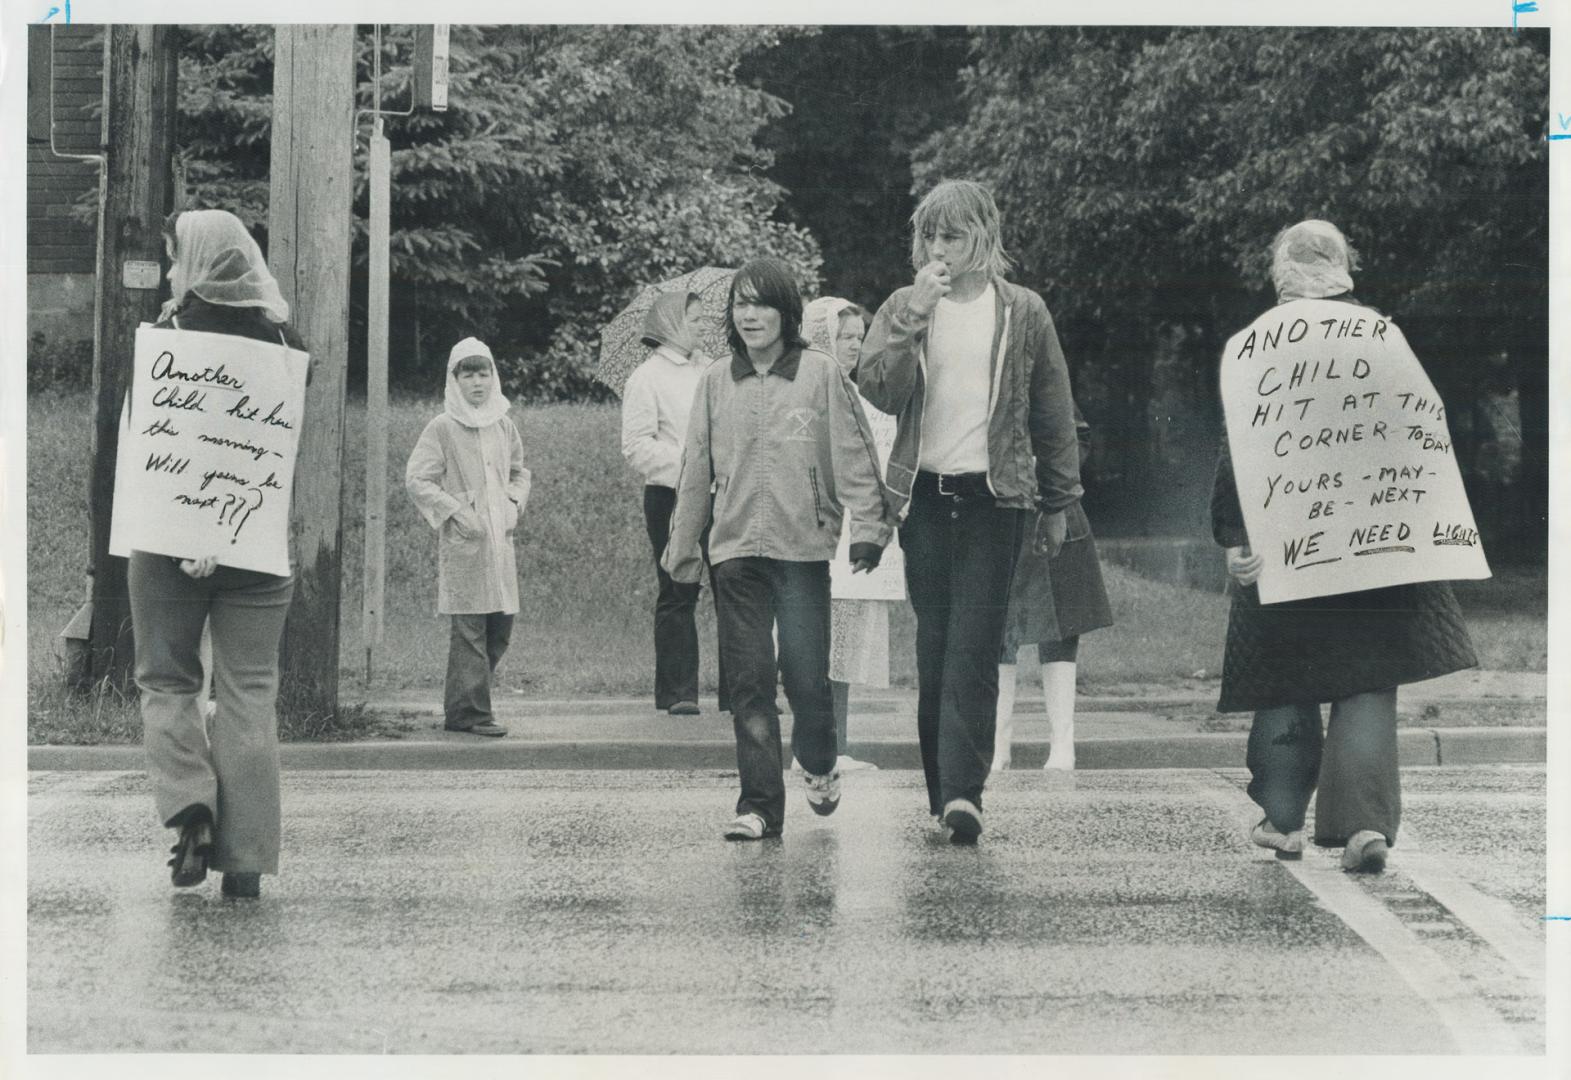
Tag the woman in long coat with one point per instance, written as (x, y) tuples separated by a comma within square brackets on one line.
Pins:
[(1052, 601), (1352, 649)]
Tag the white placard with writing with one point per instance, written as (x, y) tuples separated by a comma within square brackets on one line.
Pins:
[(207, 449), (1344, 463)]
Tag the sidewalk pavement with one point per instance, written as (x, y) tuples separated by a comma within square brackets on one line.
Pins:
[(1141, 727)]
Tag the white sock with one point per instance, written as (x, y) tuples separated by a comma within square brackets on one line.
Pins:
[(1004, 727), (1058, 692)]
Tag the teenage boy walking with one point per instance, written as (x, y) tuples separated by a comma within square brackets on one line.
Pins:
[(971, 368), (778, 437)]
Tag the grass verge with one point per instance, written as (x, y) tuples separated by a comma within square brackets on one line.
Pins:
[(586, 586)]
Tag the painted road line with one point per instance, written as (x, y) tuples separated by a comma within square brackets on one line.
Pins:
[(1474, 1027), (1490, 918)]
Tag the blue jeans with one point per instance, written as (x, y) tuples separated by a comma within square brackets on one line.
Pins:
[(1353, 763), (960, 559), (753, 595), (231, 770)]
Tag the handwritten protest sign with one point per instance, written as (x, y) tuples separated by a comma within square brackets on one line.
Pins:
[(1343, 459), (207, 449)]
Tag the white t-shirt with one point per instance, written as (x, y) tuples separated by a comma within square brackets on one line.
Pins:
[(954, 412)]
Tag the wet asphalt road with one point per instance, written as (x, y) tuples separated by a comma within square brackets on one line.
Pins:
[(569, 912)]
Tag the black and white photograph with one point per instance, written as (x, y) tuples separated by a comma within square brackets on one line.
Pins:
[(878, 540)]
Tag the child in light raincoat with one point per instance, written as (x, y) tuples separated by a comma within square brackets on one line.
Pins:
[(467, 478)]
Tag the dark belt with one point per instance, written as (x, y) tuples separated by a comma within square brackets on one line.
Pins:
[(971, 485)]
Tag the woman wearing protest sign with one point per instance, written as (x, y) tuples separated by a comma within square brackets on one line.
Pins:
[(216, 783), (1352, 649)]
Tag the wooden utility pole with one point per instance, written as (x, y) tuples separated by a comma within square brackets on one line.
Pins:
[(136, 192), (308, 225)]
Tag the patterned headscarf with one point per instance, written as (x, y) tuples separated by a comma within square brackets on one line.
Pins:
[(217, 260), (487, 412), (663, 322), (1312, 260)]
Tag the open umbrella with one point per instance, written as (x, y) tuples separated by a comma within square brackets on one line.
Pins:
[(620, 348)]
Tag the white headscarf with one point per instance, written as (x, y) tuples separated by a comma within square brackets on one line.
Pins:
[(217, 260), (1311, 260), (493, 408), (821, 323)]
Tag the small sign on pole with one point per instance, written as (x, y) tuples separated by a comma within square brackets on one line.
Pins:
[(139, 274), (430, 86)]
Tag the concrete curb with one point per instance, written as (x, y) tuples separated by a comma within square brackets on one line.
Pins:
[(905, 704), (1416, 746)]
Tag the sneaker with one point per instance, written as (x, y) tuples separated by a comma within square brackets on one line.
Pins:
[(1365, 853), (823, 792), (745, 827), (1286, 845), (963, 818), (684, 708), (846, 763)]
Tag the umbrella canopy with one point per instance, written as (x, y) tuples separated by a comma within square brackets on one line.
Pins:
[(621, 349)]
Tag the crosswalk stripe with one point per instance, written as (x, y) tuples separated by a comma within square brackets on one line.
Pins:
[(1474, 1027), (1486, 916)]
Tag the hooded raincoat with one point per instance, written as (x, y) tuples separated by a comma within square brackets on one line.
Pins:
[(468, 469)]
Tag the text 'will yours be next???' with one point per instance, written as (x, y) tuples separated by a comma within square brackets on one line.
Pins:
[(207, 449), (1342, 455)]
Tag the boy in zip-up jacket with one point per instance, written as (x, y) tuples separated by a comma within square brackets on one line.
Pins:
[(971, 368), (776, 433)]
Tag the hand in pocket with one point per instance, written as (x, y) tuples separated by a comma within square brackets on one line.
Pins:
[(466, 523)]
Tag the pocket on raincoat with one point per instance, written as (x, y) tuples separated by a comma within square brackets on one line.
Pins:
[(1077, 525), (451, 535)]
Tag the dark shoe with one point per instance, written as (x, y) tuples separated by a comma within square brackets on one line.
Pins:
[(487, 727), (684, 708), (1365, 853), (963, 819), (242, 886), (191, 851)]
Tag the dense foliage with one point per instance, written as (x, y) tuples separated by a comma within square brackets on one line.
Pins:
[(1143, 174), (574, 164), (862, 97)]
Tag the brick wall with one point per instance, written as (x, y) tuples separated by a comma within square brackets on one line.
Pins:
[(58, 243)]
